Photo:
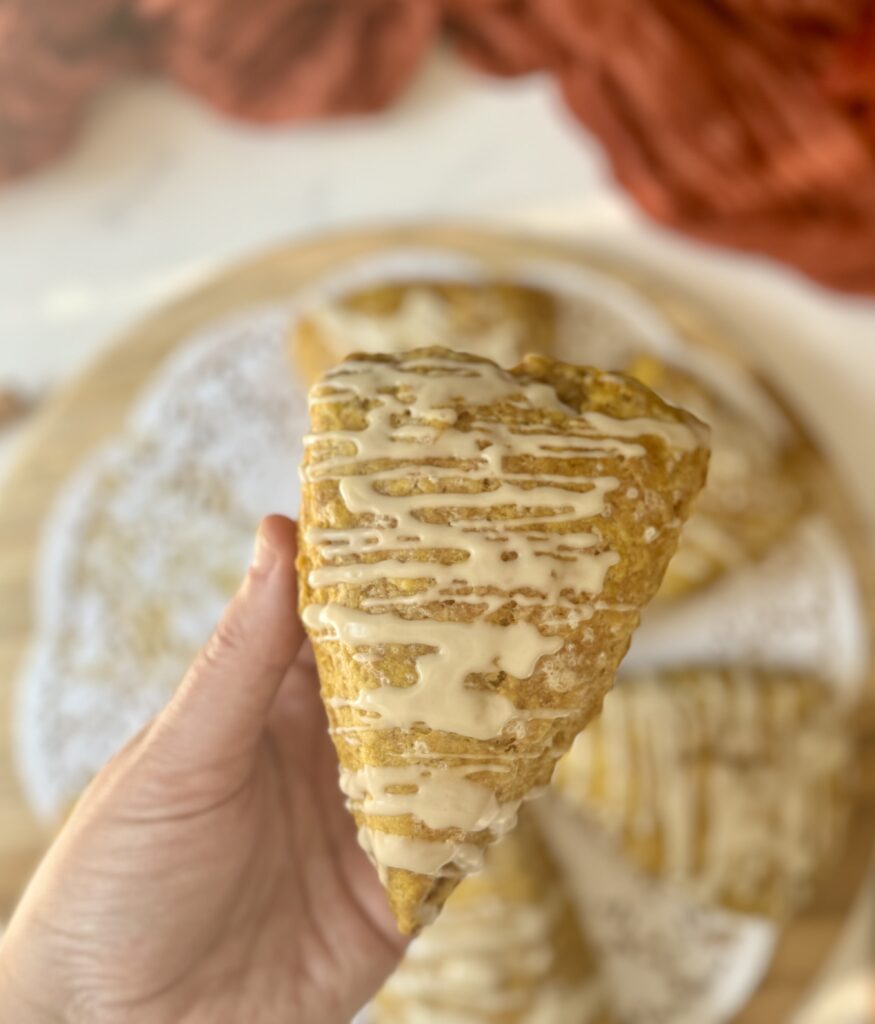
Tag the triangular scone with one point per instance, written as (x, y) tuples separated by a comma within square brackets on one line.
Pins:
[(730, 780), (507, 949), (496, 319), (755, 490), (476, 544)]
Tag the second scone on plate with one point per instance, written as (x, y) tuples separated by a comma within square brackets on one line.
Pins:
[(507, 949), (731, 781), (755, 491), (501, 321), (476, 545)]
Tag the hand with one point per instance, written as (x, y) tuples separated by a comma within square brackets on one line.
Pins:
[(211, 873)]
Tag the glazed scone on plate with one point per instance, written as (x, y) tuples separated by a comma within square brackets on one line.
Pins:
[(754, 493), (476, 545), (497, 320), (507, 949), (730, 780)]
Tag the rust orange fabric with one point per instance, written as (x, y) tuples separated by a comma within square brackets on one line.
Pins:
[(747, 123), (286, 60), (53, 57)]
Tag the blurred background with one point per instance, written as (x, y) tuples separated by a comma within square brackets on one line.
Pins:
[(727, 147), (144, 142)]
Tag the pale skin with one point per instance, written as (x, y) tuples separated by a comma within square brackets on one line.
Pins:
[(210, 874)]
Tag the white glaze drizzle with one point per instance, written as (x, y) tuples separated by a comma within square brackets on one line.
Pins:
[(440, 798), (679, 435), (422, 856), (439, 698)]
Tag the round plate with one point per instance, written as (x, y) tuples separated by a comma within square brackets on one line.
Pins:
[(95, 407)]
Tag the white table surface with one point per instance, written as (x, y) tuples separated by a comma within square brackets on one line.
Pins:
[(159, 192)]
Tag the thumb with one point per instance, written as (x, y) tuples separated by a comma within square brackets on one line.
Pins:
[(220, 709)]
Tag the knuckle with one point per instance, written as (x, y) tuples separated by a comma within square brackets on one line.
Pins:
[(227, 641)]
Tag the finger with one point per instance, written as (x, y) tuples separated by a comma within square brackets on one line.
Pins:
[(222, 705)]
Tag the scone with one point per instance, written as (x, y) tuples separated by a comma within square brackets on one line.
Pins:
[(499, 321), (476, 545), (729, 780), (507, 949), (754, 493)]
